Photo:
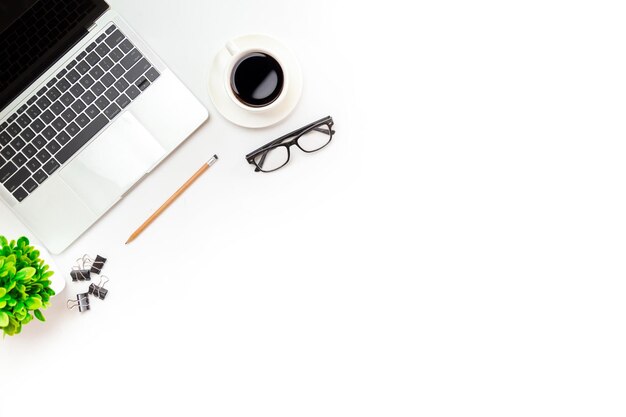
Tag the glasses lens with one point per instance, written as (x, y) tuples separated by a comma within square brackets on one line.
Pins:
[(273, 159), (315, 139)]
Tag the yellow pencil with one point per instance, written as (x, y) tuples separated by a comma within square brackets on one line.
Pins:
[(173, 198)]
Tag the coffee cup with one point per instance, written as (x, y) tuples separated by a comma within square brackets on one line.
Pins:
[(255, 78)]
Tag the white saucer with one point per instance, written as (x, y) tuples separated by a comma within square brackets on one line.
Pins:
[(226, 104)]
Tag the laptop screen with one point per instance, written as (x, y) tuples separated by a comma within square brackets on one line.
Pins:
[(34, 34)]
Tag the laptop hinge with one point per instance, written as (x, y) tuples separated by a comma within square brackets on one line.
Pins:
[(93, 25)]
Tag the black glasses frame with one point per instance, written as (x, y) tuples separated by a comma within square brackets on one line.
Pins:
[(294, 136)]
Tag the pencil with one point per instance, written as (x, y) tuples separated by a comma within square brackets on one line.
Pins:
[(173, 198)]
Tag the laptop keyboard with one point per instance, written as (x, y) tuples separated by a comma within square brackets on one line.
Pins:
[(72, 107)]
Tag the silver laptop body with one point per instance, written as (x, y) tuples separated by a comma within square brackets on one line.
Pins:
[(68, 167)]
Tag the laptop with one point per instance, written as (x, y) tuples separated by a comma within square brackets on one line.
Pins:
[(87, 109)]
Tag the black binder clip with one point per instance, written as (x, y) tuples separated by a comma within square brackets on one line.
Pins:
[(82, 302), (98, 290), (80, 275), (97, 264)]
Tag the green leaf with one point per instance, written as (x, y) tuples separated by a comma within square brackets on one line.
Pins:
[(3, 291), (4, 319), (39, 315), (25, 274), (33, 303)]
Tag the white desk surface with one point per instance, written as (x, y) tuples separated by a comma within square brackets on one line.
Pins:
[(458, 250)]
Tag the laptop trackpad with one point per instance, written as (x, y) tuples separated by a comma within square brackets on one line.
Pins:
[(113, 163)]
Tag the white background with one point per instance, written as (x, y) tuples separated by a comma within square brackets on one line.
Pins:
[(458, 250)]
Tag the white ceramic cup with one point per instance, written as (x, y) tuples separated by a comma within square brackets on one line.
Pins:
[(236, 55)]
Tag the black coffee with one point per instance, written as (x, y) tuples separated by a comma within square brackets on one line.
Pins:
[(257, 80)]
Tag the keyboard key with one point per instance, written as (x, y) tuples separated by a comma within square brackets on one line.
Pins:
[(20, 194), (101, 38), (42, 91), (103, 49), (19, 159), (92, 111), (53, 94), (96, 72), (82, 138), (123, 101), (51, 82), (61, 73), (116, 54), (98, 89), (39, 142), (30, 185), (48, 133), (71, 65), (22, 109), (14, 129), (27, 134), (112, 111), (52, 147), (47, 116), (43, 156), (102, 103), (88, 97), (87, 81), (80, 56), (2, 160), (72, 129), (112, 94), (110, 29), (107, 80), (126, 46), (57, 108), (7, 152), (37, 125), (33, 111), (92, 58), (82, 120), (67, 99), (40, 176), (115, 38), (18, 144), (24, 120), (136, 71), (63, 137), (133, 92), (106, 63), (131, 59), (43, 103), (91, 47), (29, 150), (117, 71), (51, 167), (12, 118), (4, 138), (77, 90), (63, 85), (142, 83), (30, 101), (6, 171), (33, 165), (82, 67), (17, 179), (58, 124), (152, 74), (78, 106), (3, 126), (121, 84), (73, 76), (68, 115)]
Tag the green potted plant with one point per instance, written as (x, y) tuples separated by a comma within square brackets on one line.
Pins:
[(25, 285)]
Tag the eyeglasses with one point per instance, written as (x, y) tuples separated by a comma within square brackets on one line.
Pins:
[(276, 154)]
